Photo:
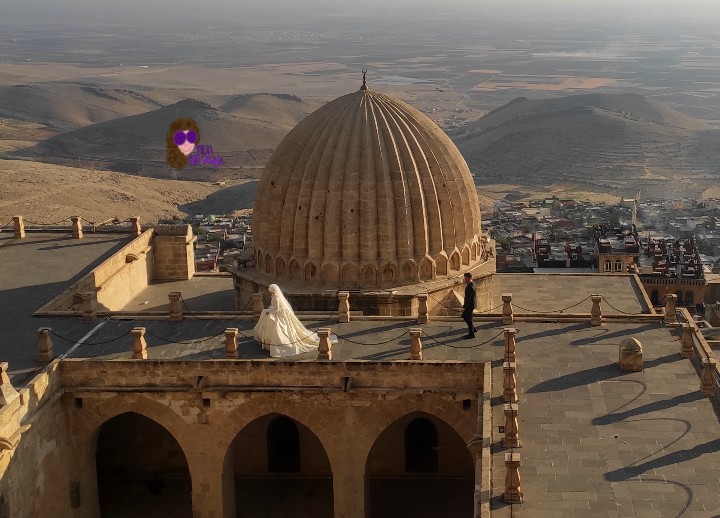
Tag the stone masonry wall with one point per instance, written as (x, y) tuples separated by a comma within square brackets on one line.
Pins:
[(173, 258)]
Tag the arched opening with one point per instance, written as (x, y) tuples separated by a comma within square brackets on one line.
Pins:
[(269, 264), (408, 271), (608, 265), (349, 276), (280, 267), (369, 277), (294, 269), (441, 265), (141, 470), (618, 266), (281, 469), (388, 274), (419, 466), (310, 272), (455, 261), (466, 255), (260, 261), (425, 269)]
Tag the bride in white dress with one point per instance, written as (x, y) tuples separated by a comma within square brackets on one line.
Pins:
[(280, 331)]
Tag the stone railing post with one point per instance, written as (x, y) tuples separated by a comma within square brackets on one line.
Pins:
[(512, 494), (687, 349), (176, 314), (509, 383), (139, 345), (415, 344), (511, 439), (596, 311), (135, 228), (670, 309), (707, 381), (507, 310), (87, 305), (258, 305), (231, 347), (7, 391), (18, 227), (44, 345), (324, 347), (344, 306), (77, 232), (510, 345), (422, 308)]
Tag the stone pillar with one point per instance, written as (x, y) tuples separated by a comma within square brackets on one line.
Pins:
[(509, 383), (176, 314), (670, 309), (687, 349), (7, 391), (344, 306), (135, 228), (44, 345), (139, 345), (231, 348), (596, 311), (324, 347), (88, 306), (630, 355), (422, 308), (507, 310), (707, 381), (77, 231), (258, 305), (510, 344), (19, 227), (415, 344), (512, 494), (511, 439)]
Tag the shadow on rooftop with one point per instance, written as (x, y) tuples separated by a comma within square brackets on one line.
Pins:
[(600, 373), (655, 406), (677, 457), (614, 334)]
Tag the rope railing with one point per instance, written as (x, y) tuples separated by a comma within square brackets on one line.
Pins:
[(45, 224), (463, 346), (75, 342), (6, 225), (460, 310), (616, 309), (372, 343), (560, 310)]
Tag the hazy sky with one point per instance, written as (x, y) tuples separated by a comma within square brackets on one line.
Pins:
[(653, 10)]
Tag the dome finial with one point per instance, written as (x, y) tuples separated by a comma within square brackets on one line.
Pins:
[(364, 85)]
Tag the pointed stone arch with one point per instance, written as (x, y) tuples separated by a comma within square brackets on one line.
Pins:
[(465, 255), (330, 273), (269, 264), (441, 264), (280, 268), (350, 276), (425, 269), (294, 270), (369, 276), (389, 275), (260, 261), (409, 271), (455, 261), (311, 273)]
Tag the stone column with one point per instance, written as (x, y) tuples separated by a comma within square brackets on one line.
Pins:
[(707, 381), (77, 231), (512, 494), (324, 347), (415, 344), (258, 305), (176, 314), (511, 439), (88, 306), (687, 349), (422, 308), (507, 310), (7, 391), (44, 345), (344, 306), (19, 227), (509, 344), (596, 311), (139, 345), (135, 228), (231, 347), (670, 309), (509, 383)]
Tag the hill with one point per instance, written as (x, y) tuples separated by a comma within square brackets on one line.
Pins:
[(243, 131), (603, 142)]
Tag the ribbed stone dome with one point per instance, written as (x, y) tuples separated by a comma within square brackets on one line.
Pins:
[(366, 192)]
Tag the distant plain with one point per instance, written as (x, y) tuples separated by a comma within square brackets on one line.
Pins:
[(98, 96)]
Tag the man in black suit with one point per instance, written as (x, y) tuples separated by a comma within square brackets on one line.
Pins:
[(469, 305)]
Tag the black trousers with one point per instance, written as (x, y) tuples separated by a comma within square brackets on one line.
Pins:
[(467, 316)]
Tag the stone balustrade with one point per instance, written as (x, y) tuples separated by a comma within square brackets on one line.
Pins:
[(507, 309), (343, 306), (44, 345), (231, 345), (325, 346), (415, 344), (139, 345), (176, 313), (596, 318)]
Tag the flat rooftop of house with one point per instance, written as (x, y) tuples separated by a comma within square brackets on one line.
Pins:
[(34, 270)]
